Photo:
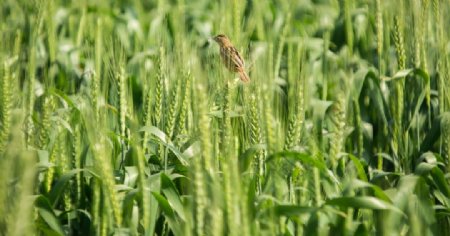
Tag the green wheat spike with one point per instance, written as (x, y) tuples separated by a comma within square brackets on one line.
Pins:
[(159, 88), (6, 105), (172, 108)]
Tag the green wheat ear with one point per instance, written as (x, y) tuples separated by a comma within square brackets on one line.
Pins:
[(201, 198), (204, 129), (423, 32), (76, 160), (139, 159), (271, 125), (17, 210), (398, 103), (226, 123), (358, 128), (50, 174), (122, 92), (147, 117), (348, 24), (51, 30), (256, 139), (105, 218), (379, 25), (337, 140), (47, 109), (5, 106), (171, 112), (292, 133), (185, 90), (159, 88), (95, 86), (107, 178), (445, 129), (399, 43), (30, 94), (65, 164), (95, 204), (202, 164)]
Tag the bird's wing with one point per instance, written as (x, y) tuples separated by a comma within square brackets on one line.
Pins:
[(231, 55)]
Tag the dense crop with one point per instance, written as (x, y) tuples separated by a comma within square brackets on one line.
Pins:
[(118, 118)]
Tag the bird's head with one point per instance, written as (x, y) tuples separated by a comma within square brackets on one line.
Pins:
[(221, 39)]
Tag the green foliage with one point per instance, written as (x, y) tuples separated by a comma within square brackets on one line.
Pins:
[(118, 118)]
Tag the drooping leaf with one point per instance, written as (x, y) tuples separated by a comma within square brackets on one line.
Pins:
[(165, 141), (359, 168), (377, 191), (128, 203), (436, 175), (60, 185), (168, 212), (362, 202), (172, 195), (434, 133), (246, 157), (45, 210)]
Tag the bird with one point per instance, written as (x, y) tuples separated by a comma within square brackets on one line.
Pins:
[(230, 57)]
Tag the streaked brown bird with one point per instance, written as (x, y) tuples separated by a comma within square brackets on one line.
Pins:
[(230, 57)]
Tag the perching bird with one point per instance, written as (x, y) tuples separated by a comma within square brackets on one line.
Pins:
[(230, 56)]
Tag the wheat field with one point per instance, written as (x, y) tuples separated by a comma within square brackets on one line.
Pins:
[(118, 118)]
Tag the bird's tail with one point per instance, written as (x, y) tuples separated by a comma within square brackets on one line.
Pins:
[(244, 77)]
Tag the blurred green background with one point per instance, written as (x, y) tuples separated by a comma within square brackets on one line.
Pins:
[(118, 118)]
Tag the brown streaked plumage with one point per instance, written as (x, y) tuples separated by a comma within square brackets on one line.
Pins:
[(230, 57)]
